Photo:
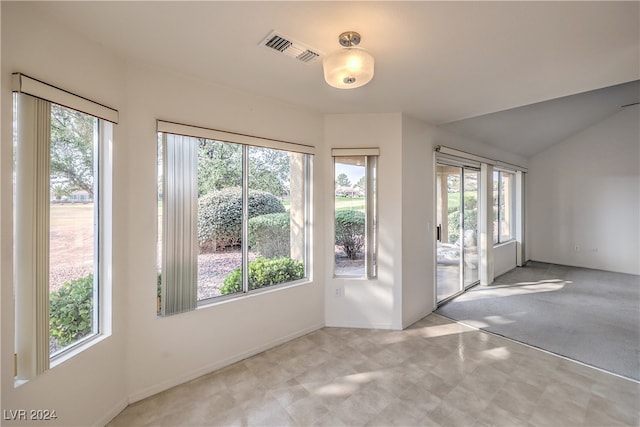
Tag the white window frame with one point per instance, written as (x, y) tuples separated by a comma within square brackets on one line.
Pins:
[(512, 207), (32, 336), (246, 141), (371, 156)]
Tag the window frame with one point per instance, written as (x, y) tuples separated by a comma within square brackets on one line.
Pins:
[(246, 142), (371, 160), (498, 238), (30, 345)]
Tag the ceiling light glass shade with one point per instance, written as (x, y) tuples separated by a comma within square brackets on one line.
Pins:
[(348, 68)]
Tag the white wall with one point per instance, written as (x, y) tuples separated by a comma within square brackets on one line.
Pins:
[(585, 192), (418, 286), (504, 258), (368, 303), (91, 387)]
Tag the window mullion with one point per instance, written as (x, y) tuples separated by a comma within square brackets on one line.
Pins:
[(97, 214), (499, 207), (371, 215), (308, 197), (245, 219)]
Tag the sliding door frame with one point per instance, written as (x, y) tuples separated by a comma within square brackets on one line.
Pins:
[(463, 167)]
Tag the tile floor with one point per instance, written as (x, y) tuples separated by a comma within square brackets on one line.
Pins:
[(436, 372)]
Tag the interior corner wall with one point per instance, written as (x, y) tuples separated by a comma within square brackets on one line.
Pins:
[(367, 303), (91, 387), (583, 197), (504, 256), (404, 291), (166, 351)]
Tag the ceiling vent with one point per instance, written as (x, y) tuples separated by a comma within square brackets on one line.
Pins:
[(290, 47)]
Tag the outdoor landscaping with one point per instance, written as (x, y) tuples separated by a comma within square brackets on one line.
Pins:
[(350, 217), (70, 273), (219, 232)]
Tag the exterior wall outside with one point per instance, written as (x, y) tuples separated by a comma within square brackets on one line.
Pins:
[(583, 198)]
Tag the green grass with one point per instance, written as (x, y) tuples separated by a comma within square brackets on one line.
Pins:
[(350, 203)]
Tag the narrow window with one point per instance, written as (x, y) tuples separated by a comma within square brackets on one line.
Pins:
[(355, 181), (61, 222), (503, 206)]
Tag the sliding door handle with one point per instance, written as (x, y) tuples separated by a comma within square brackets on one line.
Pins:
[(438, 228)]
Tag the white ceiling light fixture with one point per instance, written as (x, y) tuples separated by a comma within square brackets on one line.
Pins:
[(350, 67)]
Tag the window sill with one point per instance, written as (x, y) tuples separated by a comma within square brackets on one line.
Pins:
[(204, 304), (67, 354), (501, 244), (358, 278), (76, 349)]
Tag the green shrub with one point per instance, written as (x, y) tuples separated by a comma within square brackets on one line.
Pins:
[(220, 215), (350, 232), (270, 235), (71, 311), (264, 272)]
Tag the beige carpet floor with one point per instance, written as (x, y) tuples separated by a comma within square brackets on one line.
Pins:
[(588, 315)]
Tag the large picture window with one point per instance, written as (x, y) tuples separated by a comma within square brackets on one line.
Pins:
[(355, 181), (504, 191), (234, 218), (62, 215)]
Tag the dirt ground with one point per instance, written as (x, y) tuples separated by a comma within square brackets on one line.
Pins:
[(214, 267), (71, 243)]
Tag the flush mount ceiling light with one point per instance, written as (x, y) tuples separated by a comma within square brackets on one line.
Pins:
[(349, 67)]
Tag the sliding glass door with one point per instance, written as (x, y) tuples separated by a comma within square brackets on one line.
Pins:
[(470, 271), (449, 271), (457, 229)]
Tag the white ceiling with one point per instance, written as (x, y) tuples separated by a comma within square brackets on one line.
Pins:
[(437, 61), (532, 128)]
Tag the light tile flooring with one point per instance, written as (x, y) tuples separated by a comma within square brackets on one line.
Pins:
[(436, 372)]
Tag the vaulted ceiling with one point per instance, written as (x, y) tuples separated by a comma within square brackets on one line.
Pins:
[(465, 64)]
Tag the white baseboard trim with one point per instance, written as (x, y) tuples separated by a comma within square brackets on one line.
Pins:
[(113, 412), (416, 318), (165, 385), (361, 325)]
